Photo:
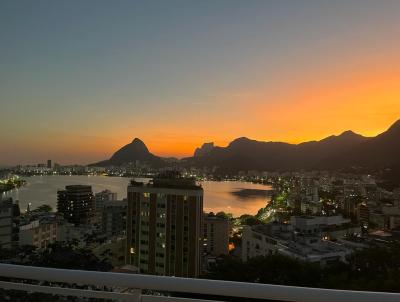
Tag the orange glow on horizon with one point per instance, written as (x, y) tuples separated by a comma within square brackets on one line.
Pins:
[(364, 102)]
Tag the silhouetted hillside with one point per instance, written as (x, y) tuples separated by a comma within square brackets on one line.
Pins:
[(130, 153), (346, 150), (204, 149), (380, 151)]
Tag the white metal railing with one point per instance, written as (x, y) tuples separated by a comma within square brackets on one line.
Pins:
[(138, 283)]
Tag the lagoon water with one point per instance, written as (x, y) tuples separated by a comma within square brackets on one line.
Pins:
[(234, 197)]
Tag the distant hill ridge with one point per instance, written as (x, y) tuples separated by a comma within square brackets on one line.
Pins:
[(130, 153), (334, 152)]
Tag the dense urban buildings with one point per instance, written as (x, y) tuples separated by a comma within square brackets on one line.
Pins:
[(165, 225), (76, 203), (319, 219), (42, 228)]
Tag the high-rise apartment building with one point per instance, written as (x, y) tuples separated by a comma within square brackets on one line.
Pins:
[(164, 226), (76, 204), (113, 222), (104, 196), (9, 223), (100, 199), (216, 235)]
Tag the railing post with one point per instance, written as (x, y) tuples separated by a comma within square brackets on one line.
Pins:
[(136, 295)]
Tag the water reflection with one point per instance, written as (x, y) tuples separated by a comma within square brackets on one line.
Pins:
[(229, 196)]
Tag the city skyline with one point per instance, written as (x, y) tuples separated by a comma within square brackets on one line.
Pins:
[(200, 150), (75, 91)]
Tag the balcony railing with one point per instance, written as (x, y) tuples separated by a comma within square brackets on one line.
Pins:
[(130, 287)]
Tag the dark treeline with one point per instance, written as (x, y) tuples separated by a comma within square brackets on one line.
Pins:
[(374, 269)]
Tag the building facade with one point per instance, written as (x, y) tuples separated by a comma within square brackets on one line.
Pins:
[(104, 196), (216, 235), (40, 233), (114, 218), (277, 238), (76, 203), (9, 222), (325, 227), (100, 199), (164, 226)]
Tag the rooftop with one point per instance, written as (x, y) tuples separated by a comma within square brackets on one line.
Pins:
[(170, 179)]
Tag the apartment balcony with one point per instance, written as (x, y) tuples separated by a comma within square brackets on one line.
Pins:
[(146, 288)]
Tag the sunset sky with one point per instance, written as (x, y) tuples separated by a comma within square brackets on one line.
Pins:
[(80, 79)]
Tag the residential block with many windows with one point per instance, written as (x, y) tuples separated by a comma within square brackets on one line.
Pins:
[(164, 226)]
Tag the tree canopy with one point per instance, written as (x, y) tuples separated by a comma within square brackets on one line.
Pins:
[(374, 269)]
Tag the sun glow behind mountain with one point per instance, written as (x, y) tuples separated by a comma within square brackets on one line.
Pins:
[(176, 78)]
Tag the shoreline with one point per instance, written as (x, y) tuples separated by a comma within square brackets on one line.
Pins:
[(11, 184)]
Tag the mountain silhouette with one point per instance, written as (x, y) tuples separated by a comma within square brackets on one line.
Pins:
[(334, 152), (132, 153), (380, 151), (204, 149), (344, 151)]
